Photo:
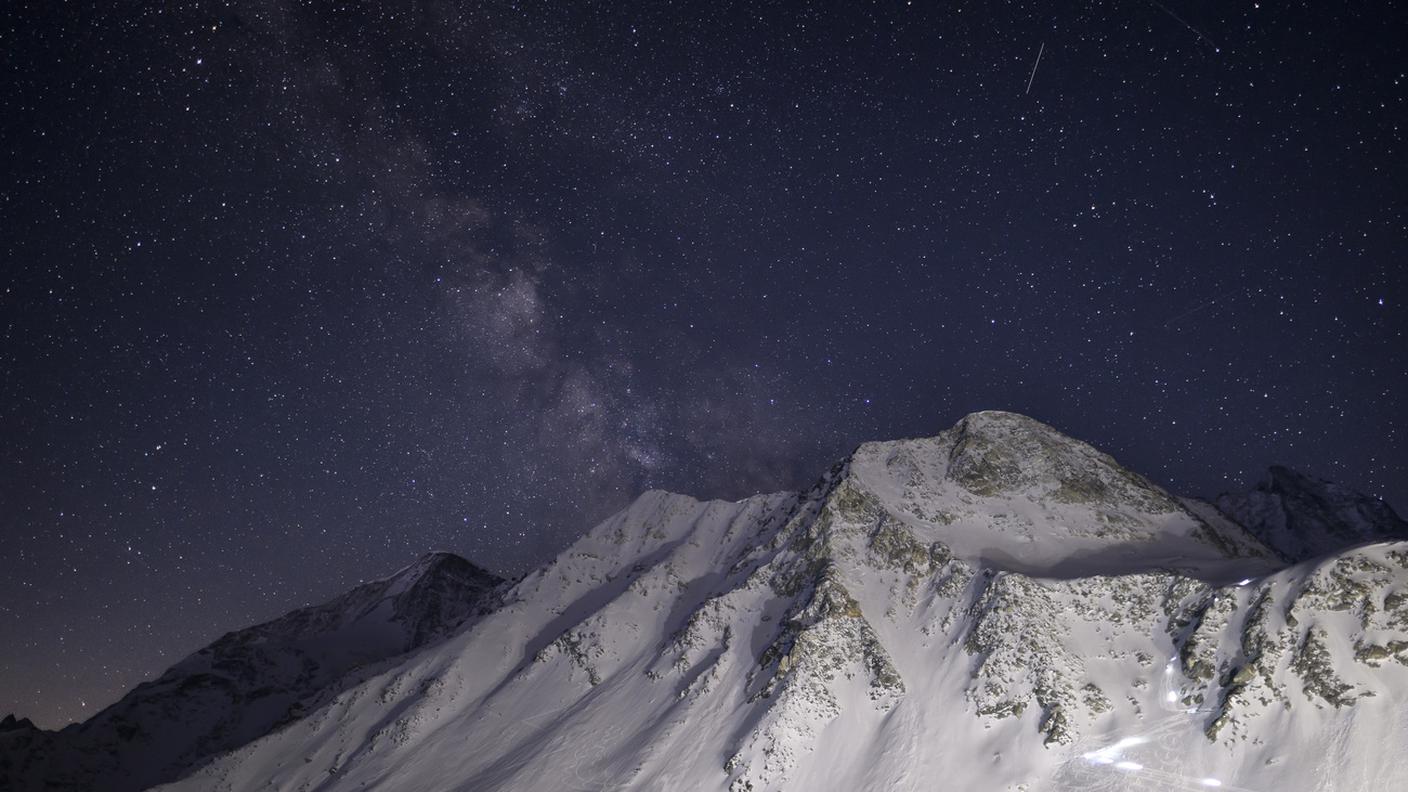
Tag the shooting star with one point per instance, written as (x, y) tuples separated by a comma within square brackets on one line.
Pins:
[(1200, 34), (1200, 306), (1034, 65)]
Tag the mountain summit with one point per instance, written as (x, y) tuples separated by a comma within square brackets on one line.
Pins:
[(998, 607), (1005, 491)]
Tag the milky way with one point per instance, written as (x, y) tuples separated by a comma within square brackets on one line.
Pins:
[(294, 293)]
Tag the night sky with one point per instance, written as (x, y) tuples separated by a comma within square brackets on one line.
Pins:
[(295, 292)]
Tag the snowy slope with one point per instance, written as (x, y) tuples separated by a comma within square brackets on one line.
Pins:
[(998, 607), (1299, 516), (241, 686)]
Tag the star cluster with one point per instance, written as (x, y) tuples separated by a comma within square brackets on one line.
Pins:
[(294, 292)]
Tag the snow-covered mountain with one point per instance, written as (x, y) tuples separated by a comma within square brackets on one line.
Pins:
[(248, 682), (999, 607)]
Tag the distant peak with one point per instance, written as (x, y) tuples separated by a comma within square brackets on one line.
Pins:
[(436, 557), (10, 723), (1288, 481), (1280, 474), (438, 563), (1301, 516)]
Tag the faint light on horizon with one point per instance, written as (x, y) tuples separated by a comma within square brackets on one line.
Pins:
[(1211, 782), (1129, 766)]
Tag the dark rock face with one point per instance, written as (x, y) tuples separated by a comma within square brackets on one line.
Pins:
[(10, 724), (247, 683), (1301, 517)]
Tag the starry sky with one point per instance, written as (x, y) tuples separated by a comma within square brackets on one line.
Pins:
[(293, 292)]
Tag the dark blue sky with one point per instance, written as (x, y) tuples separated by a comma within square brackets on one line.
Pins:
[(293, 293)]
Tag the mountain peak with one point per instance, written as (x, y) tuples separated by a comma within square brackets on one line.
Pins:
[(437, 557), (1007, 491), (1300, 516), (1002, 450), (438, 563), (1280, 478), (994, 453), (979, 418)]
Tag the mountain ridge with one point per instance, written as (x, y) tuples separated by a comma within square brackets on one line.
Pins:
[(249, 681), (904, 615)]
